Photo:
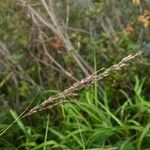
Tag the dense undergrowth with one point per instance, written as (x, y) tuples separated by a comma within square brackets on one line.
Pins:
[(45, 47)]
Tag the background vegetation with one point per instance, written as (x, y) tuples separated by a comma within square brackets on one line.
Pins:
[(46, 46)]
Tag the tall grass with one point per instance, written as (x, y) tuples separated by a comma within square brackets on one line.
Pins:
[(77, 86), (42, 41), (92, 123)]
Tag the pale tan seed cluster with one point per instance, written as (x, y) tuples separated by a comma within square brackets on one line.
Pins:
[(60, 97)]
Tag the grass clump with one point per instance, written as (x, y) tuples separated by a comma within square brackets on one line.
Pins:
[(91, 123)]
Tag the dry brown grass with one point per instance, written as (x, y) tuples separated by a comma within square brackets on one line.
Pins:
[(71, 91), (56, 25)]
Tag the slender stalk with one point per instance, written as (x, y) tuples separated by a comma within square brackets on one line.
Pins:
[(98, 75)]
